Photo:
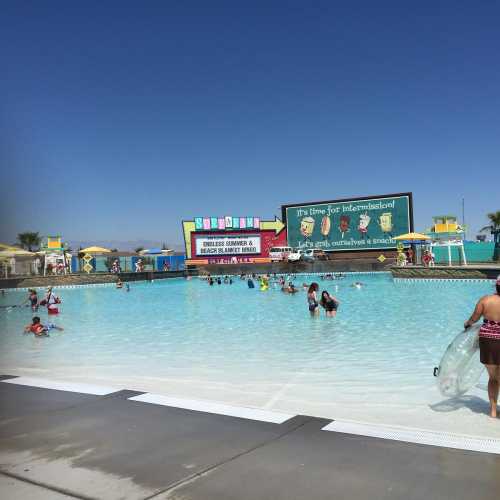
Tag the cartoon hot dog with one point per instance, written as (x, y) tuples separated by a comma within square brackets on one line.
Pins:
[(326, 225)]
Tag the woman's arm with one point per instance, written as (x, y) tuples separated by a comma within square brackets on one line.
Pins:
[(476, 315)]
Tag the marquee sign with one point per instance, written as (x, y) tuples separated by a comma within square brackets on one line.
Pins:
[(225, 223), (232, 239), (241, 244)]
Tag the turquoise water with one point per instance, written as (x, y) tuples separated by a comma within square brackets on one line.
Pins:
[(372, 362)]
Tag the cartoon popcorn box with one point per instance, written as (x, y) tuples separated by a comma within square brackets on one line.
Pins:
[(326, 225), (385, 223), (307, 227)]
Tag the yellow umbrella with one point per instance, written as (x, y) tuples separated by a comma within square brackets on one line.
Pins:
[(10, 251), (95, 250), (412, 237)]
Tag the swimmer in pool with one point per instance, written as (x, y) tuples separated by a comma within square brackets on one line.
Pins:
[(357, 284), (290, 288), (127, 287), (119, 284), (40, 330), (32, 299), (329, 303)]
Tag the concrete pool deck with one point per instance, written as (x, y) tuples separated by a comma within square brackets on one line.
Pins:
[(58, 443)]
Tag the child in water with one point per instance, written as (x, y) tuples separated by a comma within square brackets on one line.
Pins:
[(40, 330)]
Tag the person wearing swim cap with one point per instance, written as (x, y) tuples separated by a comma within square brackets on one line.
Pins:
[(51, 300), (488, 307)]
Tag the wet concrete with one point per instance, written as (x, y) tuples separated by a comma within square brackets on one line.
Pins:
[(112, 448)]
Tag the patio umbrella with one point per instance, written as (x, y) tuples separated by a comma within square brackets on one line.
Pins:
[(95, 250), (9, 251), (413, 237)]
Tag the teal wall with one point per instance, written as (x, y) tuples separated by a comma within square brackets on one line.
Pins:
[(474, 252)]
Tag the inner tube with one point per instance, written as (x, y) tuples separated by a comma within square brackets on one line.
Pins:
[(460, 367)]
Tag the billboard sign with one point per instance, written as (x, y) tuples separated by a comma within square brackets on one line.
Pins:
[(230, 244), (350, 224)]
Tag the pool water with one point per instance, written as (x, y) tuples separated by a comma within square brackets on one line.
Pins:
[(373, 362)]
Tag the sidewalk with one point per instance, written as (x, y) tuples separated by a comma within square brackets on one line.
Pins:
[(58, 444)]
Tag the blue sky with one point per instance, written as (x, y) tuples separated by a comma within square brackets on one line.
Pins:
[(120, 119)]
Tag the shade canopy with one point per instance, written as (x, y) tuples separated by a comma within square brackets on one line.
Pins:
[(95, 250), (412, 237), (151, 251), (11, 251)]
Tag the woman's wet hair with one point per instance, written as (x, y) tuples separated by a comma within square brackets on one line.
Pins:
[(313, 287), (36, 320), (323, 298)]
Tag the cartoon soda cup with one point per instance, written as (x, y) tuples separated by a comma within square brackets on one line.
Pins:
[(364, 222), (307, 227), (385, 222), (326, 225)]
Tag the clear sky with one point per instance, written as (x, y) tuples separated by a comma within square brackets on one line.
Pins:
[(120, 119)]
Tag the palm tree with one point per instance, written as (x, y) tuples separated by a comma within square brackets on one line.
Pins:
[(138, 249), (494, 228), (29, 240)]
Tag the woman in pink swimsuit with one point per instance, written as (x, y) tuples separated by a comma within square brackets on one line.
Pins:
[(489, 341)]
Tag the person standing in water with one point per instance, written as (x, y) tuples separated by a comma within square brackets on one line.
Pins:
[(32, 299), (312, 299), (51, 301), (329, 303), (488, 308)]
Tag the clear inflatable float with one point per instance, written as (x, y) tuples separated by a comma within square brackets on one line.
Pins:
[(460, 368)]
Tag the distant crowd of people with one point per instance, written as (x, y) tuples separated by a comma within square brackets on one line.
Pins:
[(315, 301)]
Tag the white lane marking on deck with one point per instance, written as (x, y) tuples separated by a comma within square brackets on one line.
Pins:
[(43, 383), (217, 408), (417, 436)]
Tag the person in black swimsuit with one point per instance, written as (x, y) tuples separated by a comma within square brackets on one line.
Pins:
[(33, 299), (329, 303)]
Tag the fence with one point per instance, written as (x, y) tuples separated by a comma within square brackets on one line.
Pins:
[(474, 253), (103, 264)]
